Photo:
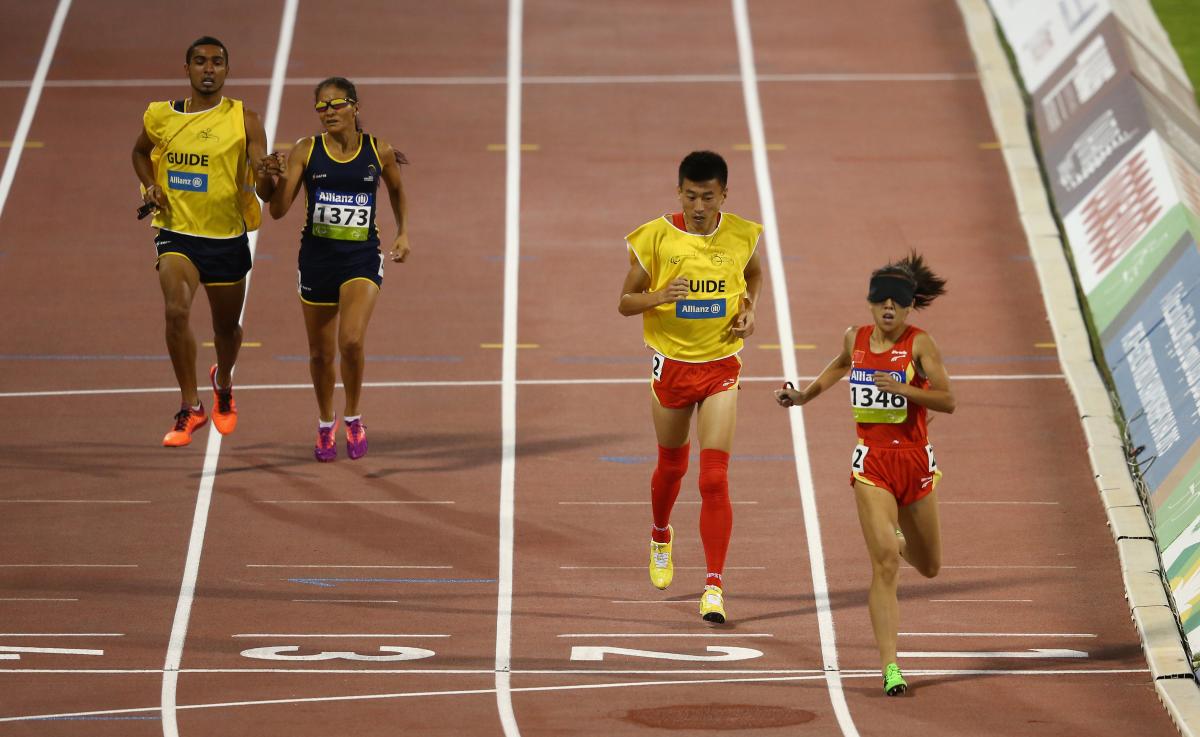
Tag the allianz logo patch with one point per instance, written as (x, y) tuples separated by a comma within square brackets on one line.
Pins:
[(186, 180), (700, 309), (327, 197)]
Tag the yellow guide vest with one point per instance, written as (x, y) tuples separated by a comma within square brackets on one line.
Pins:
[(200, 163), (695, 329)]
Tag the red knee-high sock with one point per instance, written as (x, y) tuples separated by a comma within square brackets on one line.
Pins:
[(664, 487), (716, 513)]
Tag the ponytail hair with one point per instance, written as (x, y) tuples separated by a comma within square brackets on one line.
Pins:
[(927, 286)]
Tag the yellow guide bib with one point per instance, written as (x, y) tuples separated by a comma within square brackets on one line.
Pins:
[(695, 329), (200, 163)]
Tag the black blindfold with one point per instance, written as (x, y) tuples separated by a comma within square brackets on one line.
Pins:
[(900, 289)]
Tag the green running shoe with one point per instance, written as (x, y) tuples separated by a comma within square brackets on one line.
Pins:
[(893, 680)]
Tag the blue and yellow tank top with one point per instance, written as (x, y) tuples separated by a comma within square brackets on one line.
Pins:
[(695, 329), (200, 163), (341, 198)]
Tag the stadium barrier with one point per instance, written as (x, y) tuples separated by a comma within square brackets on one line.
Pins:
[(1118, 133)]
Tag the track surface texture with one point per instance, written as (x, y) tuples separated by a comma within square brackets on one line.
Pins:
[(457, 579)]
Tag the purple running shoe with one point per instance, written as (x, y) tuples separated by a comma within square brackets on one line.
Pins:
[(326, 448), (356, 439)]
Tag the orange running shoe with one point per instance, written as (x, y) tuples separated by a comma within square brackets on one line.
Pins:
[(224, 408), (187, 421)]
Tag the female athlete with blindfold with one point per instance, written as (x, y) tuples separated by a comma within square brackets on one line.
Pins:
[(896, 375)]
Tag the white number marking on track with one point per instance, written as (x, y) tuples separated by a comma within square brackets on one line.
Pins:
[(723, 653), (283, 652), (12, 652)]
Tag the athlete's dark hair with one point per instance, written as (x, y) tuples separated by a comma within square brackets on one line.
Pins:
[(351, 91), (701, 166), (205, 41), (928, 286)]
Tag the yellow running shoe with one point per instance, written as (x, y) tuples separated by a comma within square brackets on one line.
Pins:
[(712, 605), (662, 567)]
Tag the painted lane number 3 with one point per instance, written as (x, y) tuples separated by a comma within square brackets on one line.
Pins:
[(388, 654)]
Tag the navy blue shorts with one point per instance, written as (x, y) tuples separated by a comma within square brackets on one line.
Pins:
[(321, 279), (220, 261)]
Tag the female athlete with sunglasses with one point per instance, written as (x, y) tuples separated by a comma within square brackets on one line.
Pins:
[(341, 267), (896, 374)]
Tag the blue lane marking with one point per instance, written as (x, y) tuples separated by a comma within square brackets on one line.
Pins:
[(329, 583), (603, 359), (70, 357), (654, 459), (406, 359), (999, 359)]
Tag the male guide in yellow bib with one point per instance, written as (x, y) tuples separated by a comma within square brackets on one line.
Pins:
[(696, 328), (200, 160), (694, 277)]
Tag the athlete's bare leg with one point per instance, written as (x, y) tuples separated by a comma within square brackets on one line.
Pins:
[(923, 535), (717, 420), (357, 298), (320, 322), (179, 280), (671, 426), (877, 514), (226, 301)]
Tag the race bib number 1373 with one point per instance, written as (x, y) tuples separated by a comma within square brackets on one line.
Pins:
[(342, 216)]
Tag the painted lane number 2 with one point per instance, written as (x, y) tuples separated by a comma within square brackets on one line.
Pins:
[(721, 654)]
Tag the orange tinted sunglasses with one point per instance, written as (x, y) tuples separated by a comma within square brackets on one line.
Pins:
[(336, 104)]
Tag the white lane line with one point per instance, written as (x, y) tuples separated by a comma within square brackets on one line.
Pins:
[(851, 672), (642, 503), (1000, 568), (74, 501), (805, 676), (1022, 654), (68, 565), (783, 321), (995, 634), (663, 634), (981, 601), (324, 565), (536, 79), (1049, 504), (653, 601), (508, 371), (348, 601), (286, 634), (464, 384), (61, 634), (350, 501), (642, 568), (191, 568), (31, 101)]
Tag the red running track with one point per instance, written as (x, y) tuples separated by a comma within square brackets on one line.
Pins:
[(400, 555)]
